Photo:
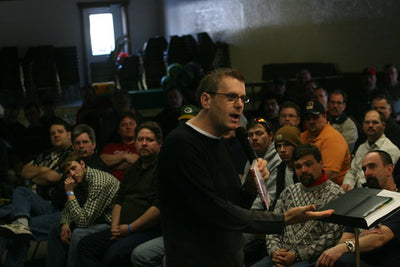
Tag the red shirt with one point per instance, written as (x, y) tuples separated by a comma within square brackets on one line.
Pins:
[(116, 149)]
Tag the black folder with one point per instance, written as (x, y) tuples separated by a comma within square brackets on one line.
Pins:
[(363, 207)]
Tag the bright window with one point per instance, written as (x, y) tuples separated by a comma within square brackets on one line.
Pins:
[(102, 34)]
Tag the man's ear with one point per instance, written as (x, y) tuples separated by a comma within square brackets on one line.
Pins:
[(82, 163), (389, 169), (205, 100)]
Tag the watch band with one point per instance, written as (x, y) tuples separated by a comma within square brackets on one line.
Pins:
[(350, 245)]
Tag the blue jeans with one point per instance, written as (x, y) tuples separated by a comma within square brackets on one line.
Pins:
[(60, 254), (266, 261), (98, 250), (41, 214), (149, 254)]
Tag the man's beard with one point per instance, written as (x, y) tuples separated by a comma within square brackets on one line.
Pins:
[(306, 179), (372, 182)]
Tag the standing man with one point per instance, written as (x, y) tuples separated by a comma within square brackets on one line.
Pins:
[(379, 246), (374, 127), (339, 119), (204, 209), (333, 147)]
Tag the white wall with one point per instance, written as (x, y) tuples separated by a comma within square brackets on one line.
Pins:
[(349, 33)]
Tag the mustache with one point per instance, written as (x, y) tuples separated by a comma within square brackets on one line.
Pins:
[(372, 182)]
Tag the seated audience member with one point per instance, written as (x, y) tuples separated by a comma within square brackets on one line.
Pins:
[(261, 135), (381, 103), (379, 246), (289, 114), (333, 147), (361, 101), (135, 216), (269, 109), (374, 127), (34, 211), (49, 111), (392, 87), (36, 135), (321, 95), (339, 119), (120, 156), (302, 244), (121, 103), (167, 118), (305, 85), (84, 143), (150, 254), (11, 130), (279, 89), (90, 196), (286, 140)]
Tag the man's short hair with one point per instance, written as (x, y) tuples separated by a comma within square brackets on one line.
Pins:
[(211, 82), (58, 121), (381, 115), (305, 150), (382, 97), (385, 157), (152, 126), (339, 92), (66, 160), (83, 128), (127, 114), (260, 121), (290, 104)]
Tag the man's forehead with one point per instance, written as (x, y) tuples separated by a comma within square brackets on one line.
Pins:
[(83, 136), (305, 158), (145, 132)]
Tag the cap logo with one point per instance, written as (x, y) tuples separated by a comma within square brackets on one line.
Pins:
[(187, 110), (279, 137), (310, 105)]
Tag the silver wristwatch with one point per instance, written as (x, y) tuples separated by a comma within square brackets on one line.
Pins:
[(350, 245)]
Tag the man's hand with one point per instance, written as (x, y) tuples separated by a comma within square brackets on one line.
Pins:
[(283, 257), (65, 234), (305, 213), (330, 256), (131, 158), (69, 184), (262, 168), (249, 184), (346, 187), (119, 232)]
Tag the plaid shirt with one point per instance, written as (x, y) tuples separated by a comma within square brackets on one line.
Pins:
[(94, 200)]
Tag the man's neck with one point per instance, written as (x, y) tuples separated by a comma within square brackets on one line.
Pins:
[(147, 161), (390, 184), (204, 123), (128, 140)]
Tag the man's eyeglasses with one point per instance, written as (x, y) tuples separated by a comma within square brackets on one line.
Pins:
[(233, 97)]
